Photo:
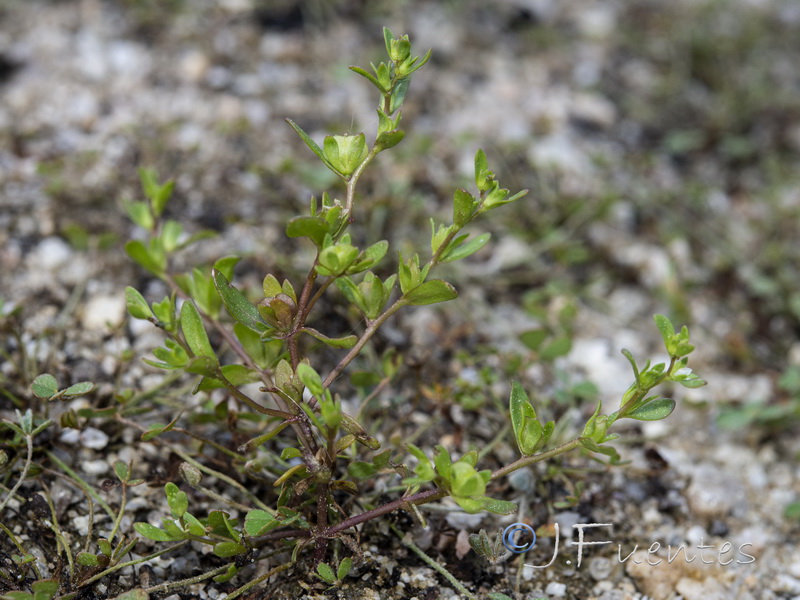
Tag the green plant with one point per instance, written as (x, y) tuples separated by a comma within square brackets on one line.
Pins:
[(297, 434), (777, 415)]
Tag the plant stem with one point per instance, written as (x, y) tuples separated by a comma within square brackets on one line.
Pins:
[(23, 475), (170, 585), (529, 460), (258, 580), (135, 561), (365, 337), (85, 487), (435, 565)]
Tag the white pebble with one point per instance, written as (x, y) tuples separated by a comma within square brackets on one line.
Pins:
[(102, 311), (95, 467), (93, 438), (559, 590), (70, 436)]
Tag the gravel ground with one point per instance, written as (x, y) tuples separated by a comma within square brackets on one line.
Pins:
[(656, 186)]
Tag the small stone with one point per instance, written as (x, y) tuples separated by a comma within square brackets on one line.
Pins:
[(713, 493), (657, 581), (51, 253), (786, 584), (594, 110), (103, 311), (559, 590), (600, 568), (461, 520), (462, 544), (93, 438), (710, 589), (95, 467), (70, 436)]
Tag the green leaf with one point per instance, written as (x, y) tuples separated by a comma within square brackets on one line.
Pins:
[(609, 451), (311, 144), (463, 207), (498, 507), (483, 177), (221, 524), (343, 342), (344, 568), (170, 235), (262, 353), (326, 573), (361, 470), (45, 589), (78, 389), (290, 453), (431, 292), (627, 354), (466, 481), (331, 413), (527, 429), (17, 595), (655, 410), (177, 500), (370, 77), (792, 511), (202, 365), (534, 338), (226, 265), (470, 505), (258, 522), (162, 197), (105, 546), (352, 292), (371, 256), (228, 549), (314, 228), (667, 331), (310, 378), (137, 305), (193, 525), (153, 533), (443, 464), (558, 347), (398, 94), (44, 386), (87, 559), (461, 250), (122, 470), (139, 213), (227, 575), (152, 261), (237, 305), (424, 468), (389, 139), (235, 374)]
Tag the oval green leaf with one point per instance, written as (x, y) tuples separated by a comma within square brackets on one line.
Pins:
[(195, 333), (44, 386), (655, 410), (237, 305), (431, 292)]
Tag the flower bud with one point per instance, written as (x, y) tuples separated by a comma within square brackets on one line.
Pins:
[(190, 474), (345, 152)]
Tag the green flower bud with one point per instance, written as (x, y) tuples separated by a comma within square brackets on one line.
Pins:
[(190, 474), (399, 49), (345, 152)]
